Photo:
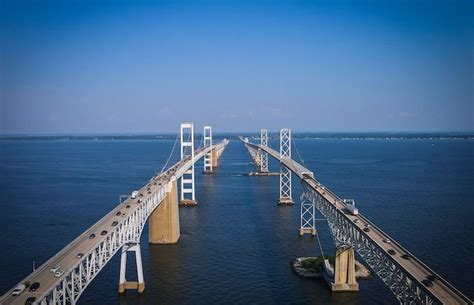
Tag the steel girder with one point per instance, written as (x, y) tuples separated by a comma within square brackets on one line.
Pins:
[(81, 275), (405, 288)]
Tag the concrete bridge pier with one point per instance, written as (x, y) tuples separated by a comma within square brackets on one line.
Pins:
[(123, 283), (163, 223), (344, 273)]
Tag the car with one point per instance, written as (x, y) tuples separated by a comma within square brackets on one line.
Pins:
[(92, 236), (18, 289), (141, 195), (30, 300), (391, 252), (356, 220), (103, 232), (149, 192), (139, 201), (159, 183), (148, 189), (54, 269), (367, 226), (387, 241), (154, 183), (58, 273), (432, 277), (79, 255), (427, 283), (118, 213), (34, 286), (127, 206), (366, 230), (114, 223), (406, 256), (123, 214)]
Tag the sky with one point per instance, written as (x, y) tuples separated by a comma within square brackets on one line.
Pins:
[(138, 66)]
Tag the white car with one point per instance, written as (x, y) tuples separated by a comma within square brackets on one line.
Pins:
[(58, 273), (54, 269), (387, 241), (18, 289)]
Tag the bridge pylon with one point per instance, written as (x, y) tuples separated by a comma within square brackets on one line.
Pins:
[(188, 196), (263, 154), (285, 173), (344, 270), (123, 283), (209, 158), (308, 220)]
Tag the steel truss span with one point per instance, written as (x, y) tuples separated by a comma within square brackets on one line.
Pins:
[(402, 284)]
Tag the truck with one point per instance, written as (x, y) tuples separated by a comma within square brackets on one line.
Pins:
[(134, 194), (350, 206), (18, 289)]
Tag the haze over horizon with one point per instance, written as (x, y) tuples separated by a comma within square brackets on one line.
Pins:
[(144, 67)]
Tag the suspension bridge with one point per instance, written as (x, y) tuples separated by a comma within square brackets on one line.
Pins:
[(64, 277)]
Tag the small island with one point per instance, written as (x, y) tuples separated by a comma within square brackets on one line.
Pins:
[(312, 267)]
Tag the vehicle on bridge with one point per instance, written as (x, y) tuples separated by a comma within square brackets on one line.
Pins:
[(134, 194)]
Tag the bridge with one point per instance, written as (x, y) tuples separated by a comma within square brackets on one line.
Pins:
[(410, 280)]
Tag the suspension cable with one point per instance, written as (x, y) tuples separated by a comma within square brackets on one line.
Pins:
[(169, 157), (298, 152)]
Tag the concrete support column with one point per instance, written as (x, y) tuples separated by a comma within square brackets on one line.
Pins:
[(163, 223), (214, 157), (123, 283), (344, 271)]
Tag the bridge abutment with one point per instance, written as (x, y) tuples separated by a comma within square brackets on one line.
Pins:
[(163, 224), (344, 273)]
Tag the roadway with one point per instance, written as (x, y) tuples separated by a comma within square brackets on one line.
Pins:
[(415, 268)]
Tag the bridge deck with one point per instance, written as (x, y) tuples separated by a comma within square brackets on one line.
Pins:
[(418, 271), (66, 258)]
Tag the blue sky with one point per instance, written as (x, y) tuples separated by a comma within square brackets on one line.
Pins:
[(131, 66)]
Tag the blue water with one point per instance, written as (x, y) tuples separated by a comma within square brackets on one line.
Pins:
[(237, 244)]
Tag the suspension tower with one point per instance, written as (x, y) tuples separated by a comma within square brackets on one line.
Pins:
[(208, 158), (285, 173), (263, 154), (187, 180)]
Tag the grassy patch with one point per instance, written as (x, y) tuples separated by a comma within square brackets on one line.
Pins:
[(317, 264)]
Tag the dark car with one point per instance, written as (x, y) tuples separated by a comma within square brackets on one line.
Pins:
[(141, 195), (127, 206), (432, 277), (148, 189), (391, 252), (114, 223), (118, 213), (154, 183), (139, 201), (406, 256), (366, 230), (92, 236), (103, 232), (427, 283), (34, 286), (149, 192), (30, 300)]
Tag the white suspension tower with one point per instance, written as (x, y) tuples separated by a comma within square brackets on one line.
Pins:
[(207, 135), (263, 154), (187, 180), (285, 173)]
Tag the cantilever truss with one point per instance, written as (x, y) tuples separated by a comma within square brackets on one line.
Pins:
[(263, 154), (405, 288), (127, 232), (285, 173)]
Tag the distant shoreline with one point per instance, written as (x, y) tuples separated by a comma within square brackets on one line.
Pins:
[(253, 137)]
